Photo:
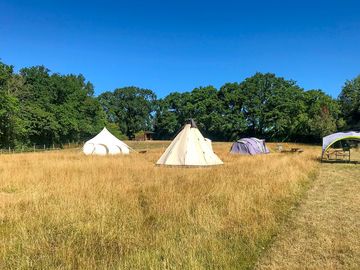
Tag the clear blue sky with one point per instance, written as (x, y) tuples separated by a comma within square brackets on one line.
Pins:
[(178, 45)]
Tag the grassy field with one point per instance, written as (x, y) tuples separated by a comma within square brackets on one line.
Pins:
[(324, 233), (64, 210)]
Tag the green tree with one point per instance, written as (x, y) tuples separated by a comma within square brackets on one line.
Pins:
[(202, 104), (58, 108), (323, 115), (37, 106), (11, 126), (131, 108), (206, 108), (349, 99), (79, 113), (233, 121), (285, 113), (11, 129), (167, 121), (37, 99), (271, 106)]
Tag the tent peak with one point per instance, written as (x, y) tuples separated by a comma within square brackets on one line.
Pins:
[(105, 143), (189, 148), (191, 122)]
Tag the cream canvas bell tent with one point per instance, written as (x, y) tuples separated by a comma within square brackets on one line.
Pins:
[(105, 144), (189, 148)]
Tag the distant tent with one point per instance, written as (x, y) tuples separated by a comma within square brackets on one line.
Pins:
[(189, 148), (249, 146), (331, 139), (105, 144)]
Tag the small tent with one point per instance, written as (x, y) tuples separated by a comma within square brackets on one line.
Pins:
[(189, 148), (105, 143), (249, 146), (331, 139)]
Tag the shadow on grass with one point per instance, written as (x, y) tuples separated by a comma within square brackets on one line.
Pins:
[(340, 161)]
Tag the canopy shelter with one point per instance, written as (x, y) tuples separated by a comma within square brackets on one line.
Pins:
[(105, 144), (340, 138), (249, 146), (189, 148)]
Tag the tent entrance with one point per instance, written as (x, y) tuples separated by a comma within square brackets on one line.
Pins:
[(343, 150), (341, 147)]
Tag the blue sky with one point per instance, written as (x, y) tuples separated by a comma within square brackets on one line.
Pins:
[(178, 45)]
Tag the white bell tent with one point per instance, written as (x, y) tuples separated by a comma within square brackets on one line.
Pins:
[(105, 144), (189, 148)]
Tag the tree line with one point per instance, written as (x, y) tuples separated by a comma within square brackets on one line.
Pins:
[(41, 107)]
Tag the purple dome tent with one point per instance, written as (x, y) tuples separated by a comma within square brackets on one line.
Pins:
[(249, 146)]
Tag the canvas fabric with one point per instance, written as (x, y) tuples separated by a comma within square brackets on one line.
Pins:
[(250, 146), (189, 148), (332, 138), (105, 144)]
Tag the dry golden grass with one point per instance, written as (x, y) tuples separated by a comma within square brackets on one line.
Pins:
[(64, 210), (324, 233)]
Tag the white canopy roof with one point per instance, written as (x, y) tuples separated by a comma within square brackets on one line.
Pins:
[(332, 138), (105, 143), (189, 148)]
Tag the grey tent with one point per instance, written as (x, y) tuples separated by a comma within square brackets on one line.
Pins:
[(249, 146)]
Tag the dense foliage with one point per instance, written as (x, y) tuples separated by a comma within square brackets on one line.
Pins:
[(263, 105), (40, 107), (350, 103), (130, 108)]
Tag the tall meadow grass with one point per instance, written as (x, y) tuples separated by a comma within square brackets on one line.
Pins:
[(65, 210)]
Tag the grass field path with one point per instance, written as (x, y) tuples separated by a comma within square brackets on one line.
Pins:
[(324, 232)]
